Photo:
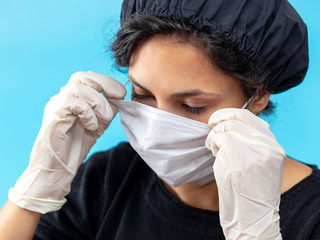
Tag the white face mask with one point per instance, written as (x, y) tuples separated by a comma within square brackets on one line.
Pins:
[(172, 146)]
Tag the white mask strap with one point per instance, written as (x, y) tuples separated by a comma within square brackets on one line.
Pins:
[(247, 102), (126, 82)]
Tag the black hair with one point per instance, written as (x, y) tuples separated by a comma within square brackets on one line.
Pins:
[(222, 53)]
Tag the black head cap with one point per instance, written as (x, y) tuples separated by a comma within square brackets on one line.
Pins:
[(270, 32)]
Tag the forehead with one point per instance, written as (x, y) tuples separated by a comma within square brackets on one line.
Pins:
[(164, 62)]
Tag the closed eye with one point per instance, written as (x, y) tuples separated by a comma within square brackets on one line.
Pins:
[(194, 110), (187, 108), (135, 96)]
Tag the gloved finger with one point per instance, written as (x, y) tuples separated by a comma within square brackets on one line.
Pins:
[(101, 83), (242, 163), (65, 107), (229, 140), (211, 144), (242, 115), (242, 135), (237, 126), (102, 108), (228, 126), (250, 135), (234, 157)]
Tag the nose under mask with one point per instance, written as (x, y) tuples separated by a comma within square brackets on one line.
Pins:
[(171, 145)]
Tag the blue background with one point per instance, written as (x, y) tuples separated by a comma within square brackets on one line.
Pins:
[(43, 42)]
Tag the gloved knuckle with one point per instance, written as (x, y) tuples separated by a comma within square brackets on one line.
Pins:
[(77, 75), (68, 89), (106, 113), (226, 126)]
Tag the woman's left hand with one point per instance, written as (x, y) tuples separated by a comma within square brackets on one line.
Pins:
[(248, 172)]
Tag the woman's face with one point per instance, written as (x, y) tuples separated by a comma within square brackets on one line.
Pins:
[(179, 78)]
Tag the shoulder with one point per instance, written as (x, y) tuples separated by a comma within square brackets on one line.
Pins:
[(122, 153), (94, 189), (118, 159), (299, 207), (104, 174), (107, 168), (293, 173), (307, 187)]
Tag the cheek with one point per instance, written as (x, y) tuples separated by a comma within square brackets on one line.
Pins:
[(206, 116), (209, 111), (203, 117)]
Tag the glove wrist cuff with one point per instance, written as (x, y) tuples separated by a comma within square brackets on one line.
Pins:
[(39, 205)]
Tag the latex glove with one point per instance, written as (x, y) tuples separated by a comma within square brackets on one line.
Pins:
[(72, 122), (248, 171)]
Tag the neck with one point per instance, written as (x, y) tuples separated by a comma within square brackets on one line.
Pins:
[(203, 197), (206, 196)]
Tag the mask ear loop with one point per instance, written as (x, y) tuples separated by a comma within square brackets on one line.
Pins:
[(247, 102), (126, 82), (250, 99), (126, 86)]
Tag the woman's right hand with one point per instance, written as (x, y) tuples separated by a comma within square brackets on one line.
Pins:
[(72, 122)]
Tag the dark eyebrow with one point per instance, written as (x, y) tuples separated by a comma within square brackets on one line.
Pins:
[(189, 93), (137, 84), (193, 93)]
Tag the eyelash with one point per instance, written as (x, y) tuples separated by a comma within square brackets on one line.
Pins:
[(136, 96), (193, 110)]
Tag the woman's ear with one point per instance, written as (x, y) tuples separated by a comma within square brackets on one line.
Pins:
[(259, 103)]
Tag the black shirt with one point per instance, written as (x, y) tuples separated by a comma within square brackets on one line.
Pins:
[(115, 195)]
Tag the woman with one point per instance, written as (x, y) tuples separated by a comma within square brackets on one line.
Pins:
[(201, 164)]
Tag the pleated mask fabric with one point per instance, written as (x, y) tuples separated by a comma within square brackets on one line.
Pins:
[(172, 146)]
